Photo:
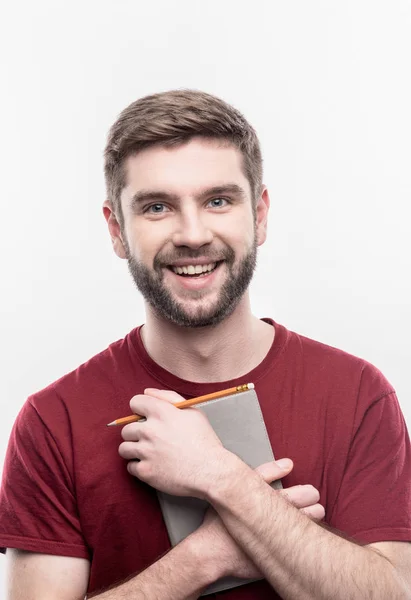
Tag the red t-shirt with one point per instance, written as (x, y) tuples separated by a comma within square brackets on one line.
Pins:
[(66, 490)]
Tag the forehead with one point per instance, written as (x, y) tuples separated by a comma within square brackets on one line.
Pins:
[(185, 169)]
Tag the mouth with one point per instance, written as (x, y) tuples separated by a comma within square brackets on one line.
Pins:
[(195, 271)]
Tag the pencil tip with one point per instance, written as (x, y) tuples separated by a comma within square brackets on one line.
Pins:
[(110, 424)]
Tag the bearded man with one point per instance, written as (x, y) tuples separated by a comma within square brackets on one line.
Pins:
[(187, 208)]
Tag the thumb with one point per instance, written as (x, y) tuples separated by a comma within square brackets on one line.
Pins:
[(274, 470), (167, 395)]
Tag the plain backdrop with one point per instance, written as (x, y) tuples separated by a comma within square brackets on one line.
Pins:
[(327, 86)]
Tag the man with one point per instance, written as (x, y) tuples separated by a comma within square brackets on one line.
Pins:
[(187, 208)]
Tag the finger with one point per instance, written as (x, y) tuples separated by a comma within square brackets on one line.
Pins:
[(148, 406), (130, 450), (274, 470), (315, 512), (134, 468), (167, 395), (301, 495), (141, 469), (133, 432)]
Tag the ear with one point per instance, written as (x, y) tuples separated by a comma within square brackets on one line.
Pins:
[(114, 229), (262, 207)]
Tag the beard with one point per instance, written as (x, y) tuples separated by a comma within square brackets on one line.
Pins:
[(150, 283)]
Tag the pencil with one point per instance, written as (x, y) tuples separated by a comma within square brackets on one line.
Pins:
[(191, 402)]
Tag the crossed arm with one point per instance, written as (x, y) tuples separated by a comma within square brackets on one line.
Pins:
[(256, 527), (300, 559), (199, 560)]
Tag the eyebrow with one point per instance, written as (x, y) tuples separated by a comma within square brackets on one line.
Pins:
[(160, 195)]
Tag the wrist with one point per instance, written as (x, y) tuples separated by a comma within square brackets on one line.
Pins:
[(232, 470), (200, 550), (214, 468)]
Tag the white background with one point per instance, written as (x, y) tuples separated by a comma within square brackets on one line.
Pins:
[(327, 86)]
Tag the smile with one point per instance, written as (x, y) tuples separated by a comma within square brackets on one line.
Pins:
[(195, 270)]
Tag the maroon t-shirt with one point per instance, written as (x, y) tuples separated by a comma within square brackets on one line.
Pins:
[(66, 490)]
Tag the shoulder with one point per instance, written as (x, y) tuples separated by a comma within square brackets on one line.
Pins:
[(336, 366), (91, 383), (344, 384)]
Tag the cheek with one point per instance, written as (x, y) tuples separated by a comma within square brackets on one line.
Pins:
[(239, 235), (145, 242)]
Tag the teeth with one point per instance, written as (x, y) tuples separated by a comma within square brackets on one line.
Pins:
[(194, 269)]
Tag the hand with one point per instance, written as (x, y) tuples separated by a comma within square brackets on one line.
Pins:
[(177, 451), (226, 554), (304, 497)]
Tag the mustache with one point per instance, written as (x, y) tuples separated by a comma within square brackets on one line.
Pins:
[(165, 259)]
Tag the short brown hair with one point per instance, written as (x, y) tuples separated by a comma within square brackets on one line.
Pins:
[(171, 118)]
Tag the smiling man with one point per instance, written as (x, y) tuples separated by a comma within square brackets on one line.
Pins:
[(187, 208), (198, 225)]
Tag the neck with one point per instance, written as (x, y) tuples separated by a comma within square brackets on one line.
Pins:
[(209, 354)]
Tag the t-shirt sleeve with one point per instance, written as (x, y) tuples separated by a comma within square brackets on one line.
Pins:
[(38, 510), (374, 501)]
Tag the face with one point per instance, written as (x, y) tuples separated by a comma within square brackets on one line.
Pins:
[(190, 234)]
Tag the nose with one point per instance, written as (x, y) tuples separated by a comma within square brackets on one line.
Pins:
[(192, 230)]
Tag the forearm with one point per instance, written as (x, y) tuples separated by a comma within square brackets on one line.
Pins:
[(300, 559), (181, 574)]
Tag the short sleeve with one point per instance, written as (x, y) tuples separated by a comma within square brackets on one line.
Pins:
[(374, 501), (38, 510)]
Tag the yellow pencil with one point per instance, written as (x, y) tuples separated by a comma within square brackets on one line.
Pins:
[(191, 402)]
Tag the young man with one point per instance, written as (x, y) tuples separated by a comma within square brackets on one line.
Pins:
[(79, 514)]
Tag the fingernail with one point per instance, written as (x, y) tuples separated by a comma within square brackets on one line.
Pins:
[(284, 463)]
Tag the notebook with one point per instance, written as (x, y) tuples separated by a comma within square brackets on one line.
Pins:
[(239, 423)]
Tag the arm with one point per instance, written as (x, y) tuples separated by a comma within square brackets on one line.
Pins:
[(300, 559), (208, 554), (205, 556), (35, 576), (179, 575)]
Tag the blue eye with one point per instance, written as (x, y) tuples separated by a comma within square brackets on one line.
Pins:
[(156, 209), (218, 202)]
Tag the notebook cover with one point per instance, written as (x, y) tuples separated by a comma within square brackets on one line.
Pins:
[(239, 423)]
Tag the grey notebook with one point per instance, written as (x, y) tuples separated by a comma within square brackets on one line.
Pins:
[(239, 423)]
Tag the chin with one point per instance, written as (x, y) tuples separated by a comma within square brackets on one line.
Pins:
[(195, 319)]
